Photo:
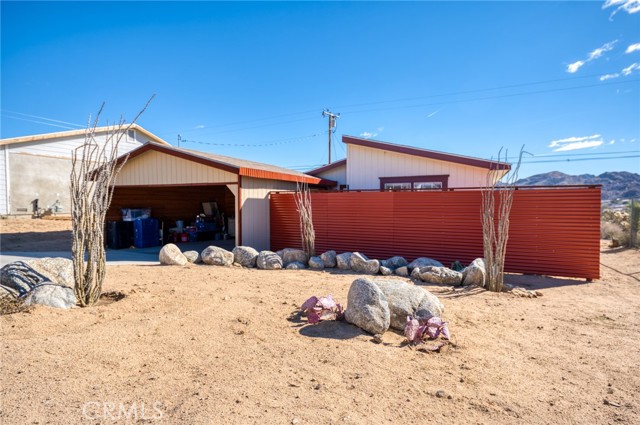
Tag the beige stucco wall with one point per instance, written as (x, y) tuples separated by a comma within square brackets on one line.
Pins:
[(366, 165), (42, 177)]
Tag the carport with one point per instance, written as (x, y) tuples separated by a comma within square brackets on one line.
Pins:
[(174, 182)]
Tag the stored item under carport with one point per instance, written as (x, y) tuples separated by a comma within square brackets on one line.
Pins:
[(145, 232)]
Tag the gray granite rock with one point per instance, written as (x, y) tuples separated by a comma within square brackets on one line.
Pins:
[(360, 263), (386, 271), (367, 307), (216, 256), (246, 256), (269, 260), (402, 271), (441, 275), (475, 273), (170, 255), (289, 255), (20, 277), (193, 256), (405, 300), (343, 261), (329, 259), (316, 263), (52, 295), (394, 262), (424, 262), (296, 265)]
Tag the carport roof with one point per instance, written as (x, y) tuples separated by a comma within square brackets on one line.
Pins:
[(238, 166)]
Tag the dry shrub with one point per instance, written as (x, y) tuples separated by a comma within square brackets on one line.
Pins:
[(10, 305)]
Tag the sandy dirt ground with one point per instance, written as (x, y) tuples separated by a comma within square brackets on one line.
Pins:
[(211, 345)]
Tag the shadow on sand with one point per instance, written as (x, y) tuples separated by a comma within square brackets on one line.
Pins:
[(332, 329)]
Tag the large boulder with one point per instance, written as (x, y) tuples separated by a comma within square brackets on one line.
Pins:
[(408, 300), (246, 256), (52, 295), (343, 261), (289, 255), (269, 260), (47, 281), (171, 255), (296, 265), (329, 259), (216, 256), (316, 263), (394, 262), (441, 275), (367, 307), (475, 273), (193, 256), (20, 277), (361, 264), (424, 262)]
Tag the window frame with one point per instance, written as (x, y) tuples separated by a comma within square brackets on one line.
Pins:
[(436, 178)]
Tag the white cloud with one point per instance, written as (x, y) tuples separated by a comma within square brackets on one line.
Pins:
[(602, 50), (632, 48), (199, 126), (611, 142), (573, 67), (433, 113), (380, 129), (629, 6), (368, 135), (628, 70), (579, 145), (609, 76), (574, 143), (632, 141)]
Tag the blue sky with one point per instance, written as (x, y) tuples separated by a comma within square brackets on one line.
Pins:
[(251, 79)]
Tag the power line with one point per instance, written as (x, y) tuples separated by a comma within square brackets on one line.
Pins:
[(66, 127), (252, 145), (41, 118), (496, 97), (581, 159)]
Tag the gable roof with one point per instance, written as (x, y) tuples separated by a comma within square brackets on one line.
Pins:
[(425, 153), (328, 167), (238, 166), (80, 132)]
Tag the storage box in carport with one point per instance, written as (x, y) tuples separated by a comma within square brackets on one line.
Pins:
[(145, 232), (130, 214)]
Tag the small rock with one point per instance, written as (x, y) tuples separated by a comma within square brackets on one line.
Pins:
[(377, 338), (216, 256), (295, 265), (245, 255), (440, 275), (52, 295), (385, 271), (475, 273), (424, 262), (316, 263), (269, 260), (329, 259), (289, 255), (343, 261), (440, 393), (361, 264), (402, 271), (367, 307), (193, 256)]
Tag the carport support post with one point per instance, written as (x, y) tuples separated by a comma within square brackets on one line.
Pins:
[(239, 217)]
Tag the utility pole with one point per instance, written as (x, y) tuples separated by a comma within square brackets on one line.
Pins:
[(179, 140), (332, 126)]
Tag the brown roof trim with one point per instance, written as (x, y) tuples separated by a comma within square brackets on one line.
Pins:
[(425, 153), (80, 132), (328, 167), (210, 162)]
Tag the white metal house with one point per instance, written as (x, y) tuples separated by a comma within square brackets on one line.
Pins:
[(375, 165), (35, 170)]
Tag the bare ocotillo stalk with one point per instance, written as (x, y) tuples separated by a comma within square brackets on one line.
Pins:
[(303, 204), (495, 221), (93, 174)]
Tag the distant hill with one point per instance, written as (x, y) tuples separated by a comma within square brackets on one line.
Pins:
[(615, 184)]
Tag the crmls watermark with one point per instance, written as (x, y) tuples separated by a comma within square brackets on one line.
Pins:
[(122, 411)]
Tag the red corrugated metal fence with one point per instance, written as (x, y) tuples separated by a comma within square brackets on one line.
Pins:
[(553, 231)]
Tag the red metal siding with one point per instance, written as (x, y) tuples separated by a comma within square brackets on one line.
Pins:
[(552, 231)]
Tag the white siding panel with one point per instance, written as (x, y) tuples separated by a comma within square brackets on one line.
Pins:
[(365, 166), (338, 174), (255, 210), (4, 187), (155, 168)]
